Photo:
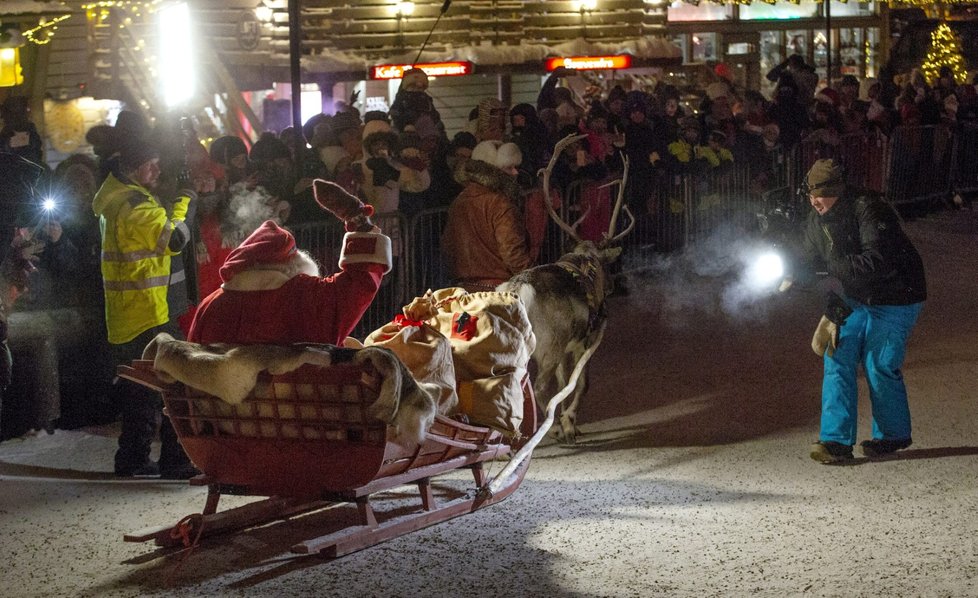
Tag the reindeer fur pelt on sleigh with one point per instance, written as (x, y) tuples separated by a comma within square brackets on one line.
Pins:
[(230, 372)]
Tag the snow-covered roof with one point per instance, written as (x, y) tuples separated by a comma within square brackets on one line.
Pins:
[(17, 7), (647, 47)]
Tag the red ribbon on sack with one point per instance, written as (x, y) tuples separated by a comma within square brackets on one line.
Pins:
[(402, 321)]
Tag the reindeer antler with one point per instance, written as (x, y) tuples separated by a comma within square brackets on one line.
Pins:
[(610, 238), (545, 173)]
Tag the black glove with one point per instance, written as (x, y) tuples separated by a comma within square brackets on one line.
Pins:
[(383, 171), (836, 310), (183, 179)]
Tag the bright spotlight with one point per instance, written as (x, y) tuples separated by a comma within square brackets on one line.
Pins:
[(177, 54), (767, 269), (48, 204)]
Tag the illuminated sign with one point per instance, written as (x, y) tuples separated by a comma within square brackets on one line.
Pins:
[(432, 69), (590, 63)]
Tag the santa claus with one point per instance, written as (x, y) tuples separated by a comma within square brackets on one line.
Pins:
[(272, 292)]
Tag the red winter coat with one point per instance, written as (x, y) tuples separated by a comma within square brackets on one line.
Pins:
[(304, 309), (263, 305)]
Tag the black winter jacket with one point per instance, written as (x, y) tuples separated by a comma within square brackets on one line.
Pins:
[(861, 243)]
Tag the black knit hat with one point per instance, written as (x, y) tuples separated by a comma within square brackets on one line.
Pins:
[(464, 139), (373, 115), (135, 153), (268, 148), (223, 149)]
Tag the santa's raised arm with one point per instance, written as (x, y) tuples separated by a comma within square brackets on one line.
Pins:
[(272, 292)]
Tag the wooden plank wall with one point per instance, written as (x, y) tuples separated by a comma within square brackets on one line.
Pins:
[(454, 97), (70, 61)]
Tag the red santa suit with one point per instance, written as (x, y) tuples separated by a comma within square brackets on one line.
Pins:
[(272, 293)]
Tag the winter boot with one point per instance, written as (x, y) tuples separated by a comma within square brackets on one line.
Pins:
[(148, 469), (879, 447), (827, 452)]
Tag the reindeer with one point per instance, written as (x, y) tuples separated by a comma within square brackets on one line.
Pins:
[(565, 301)]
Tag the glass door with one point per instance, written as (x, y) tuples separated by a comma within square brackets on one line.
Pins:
[(771, 55)]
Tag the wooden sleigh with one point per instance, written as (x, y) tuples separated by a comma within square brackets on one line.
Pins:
[(304, 441)]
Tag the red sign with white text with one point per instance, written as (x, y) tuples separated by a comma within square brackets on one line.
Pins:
[(590, 63), (432, 69)]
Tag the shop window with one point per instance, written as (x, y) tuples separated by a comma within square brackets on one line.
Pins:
[(872, 51), (771, 55), (761, 11), (851, 52), (704, 47), (682, 42), (797, 42), (852, 9), (706, 11), (820, 44), (739, 48)]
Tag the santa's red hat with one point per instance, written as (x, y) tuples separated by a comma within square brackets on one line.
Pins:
[(269, 244)]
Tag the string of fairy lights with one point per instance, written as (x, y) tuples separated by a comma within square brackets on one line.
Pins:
[(43, 33), (99, 11), (945, 51)]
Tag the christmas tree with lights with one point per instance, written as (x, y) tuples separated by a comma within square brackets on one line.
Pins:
[(945, 50)]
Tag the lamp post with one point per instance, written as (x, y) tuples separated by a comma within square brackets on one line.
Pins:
[(295, 69), (828, 42)]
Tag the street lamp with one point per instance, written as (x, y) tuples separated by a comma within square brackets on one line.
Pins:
[(264, 13), (176, 54), (404, 9)]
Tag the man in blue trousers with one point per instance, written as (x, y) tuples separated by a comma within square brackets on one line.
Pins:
[(860, 242)]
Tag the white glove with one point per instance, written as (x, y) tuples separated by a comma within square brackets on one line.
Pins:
[(826, 337)]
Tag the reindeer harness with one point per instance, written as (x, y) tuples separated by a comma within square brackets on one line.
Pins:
[(586, 272)]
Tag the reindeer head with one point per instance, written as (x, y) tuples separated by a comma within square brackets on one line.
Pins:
[(589, 263)]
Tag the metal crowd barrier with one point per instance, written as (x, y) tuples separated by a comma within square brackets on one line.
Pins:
[(915, 164), (965, 159), (323, 240), (674, 210), (865, 156), (921, 166)]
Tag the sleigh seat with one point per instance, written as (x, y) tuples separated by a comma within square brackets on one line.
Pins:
[(305, 440)]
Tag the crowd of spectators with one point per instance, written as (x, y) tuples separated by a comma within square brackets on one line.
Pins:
[(402, 161)]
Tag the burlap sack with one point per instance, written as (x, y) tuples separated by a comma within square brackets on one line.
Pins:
[(425, 352), (491, 342)]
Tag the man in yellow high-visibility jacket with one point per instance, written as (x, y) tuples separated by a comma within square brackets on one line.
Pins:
[(139, 238)]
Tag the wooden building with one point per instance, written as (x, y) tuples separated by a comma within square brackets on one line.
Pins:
[(241, 48)]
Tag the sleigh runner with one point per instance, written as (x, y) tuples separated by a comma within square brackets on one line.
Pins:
[(306, 440)]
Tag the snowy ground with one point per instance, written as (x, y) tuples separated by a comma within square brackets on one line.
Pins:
[(692, 477)]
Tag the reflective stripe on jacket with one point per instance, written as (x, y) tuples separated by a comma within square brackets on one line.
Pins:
[(136, 233)]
